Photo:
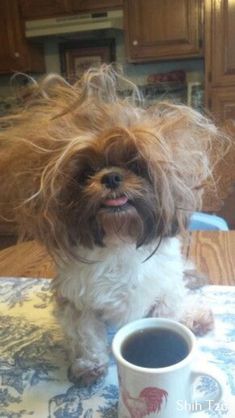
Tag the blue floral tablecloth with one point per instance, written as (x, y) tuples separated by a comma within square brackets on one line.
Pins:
[(34, 364)]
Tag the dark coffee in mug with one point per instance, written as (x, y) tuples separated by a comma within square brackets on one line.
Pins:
[(154, 348)]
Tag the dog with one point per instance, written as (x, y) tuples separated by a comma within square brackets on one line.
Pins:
[(107, 186)]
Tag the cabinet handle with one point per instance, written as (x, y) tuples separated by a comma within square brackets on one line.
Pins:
[(135, 42), (16, 54)]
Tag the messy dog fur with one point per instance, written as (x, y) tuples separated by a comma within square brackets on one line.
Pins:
[(107, 186)]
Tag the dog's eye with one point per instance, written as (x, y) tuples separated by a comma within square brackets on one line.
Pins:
[(85, 174), (135, 167), (140, 169)]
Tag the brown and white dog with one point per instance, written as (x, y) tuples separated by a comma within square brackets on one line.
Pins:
[(107, 186)]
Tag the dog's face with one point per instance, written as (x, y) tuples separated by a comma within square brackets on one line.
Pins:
[(112, 194)]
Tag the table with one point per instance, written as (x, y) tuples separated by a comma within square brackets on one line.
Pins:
[(212, 251), (33, 358)]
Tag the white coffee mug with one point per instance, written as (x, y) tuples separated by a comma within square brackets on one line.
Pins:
[(163, 392)]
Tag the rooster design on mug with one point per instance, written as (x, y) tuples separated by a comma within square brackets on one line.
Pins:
[(150, 400)]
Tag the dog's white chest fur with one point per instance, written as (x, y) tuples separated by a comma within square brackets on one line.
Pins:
[(120, 286)]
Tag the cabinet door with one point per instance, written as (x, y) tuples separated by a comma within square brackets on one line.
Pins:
[(222, 101), (220, 53), (9, 55), (36, 9), (95, 5), (162, 29), (16, 54)]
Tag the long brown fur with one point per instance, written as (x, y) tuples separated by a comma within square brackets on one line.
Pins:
[(65, 133)]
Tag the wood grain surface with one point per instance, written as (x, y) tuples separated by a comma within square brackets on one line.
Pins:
[(213, 253), (27, 259)]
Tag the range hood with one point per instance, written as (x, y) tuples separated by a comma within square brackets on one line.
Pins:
[(74, 23)]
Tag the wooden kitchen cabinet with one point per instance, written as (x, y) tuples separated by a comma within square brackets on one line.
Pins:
[(220, 58), (38, 9), (95, 5), (16, 53), (223, 104), (220, 90), (220, 42), (162, 29)]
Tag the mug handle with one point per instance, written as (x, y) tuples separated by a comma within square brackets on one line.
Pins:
[(206, 402)]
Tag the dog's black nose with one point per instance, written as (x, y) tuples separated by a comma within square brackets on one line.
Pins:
[(112, 180)]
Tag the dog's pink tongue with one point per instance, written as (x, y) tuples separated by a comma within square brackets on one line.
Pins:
[(120, 201)]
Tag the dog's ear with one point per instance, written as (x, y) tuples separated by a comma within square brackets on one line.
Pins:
[(179, 146)]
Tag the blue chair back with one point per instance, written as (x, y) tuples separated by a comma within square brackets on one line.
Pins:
[(205, 221)]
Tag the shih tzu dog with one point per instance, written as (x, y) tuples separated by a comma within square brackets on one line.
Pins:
[(107, 186)]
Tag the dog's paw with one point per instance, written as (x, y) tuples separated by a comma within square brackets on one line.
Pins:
[(86, 372), (194, 280), (200, 320)]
